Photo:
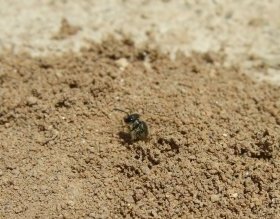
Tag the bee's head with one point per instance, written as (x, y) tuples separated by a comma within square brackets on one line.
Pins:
[(131, 118)]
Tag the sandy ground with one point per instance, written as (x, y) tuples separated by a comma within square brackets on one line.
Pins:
[(214, 143)]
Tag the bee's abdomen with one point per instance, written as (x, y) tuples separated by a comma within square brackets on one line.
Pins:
[(139, 130)]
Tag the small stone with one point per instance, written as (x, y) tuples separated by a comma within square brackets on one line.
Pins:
[(215, 198), (154, 213), (58, 74), (92, 215), (232, 193), (65, 215), (31, 101), (192, 157), (257, 201), (15, 172), (122, 63), (18, 209), (70, 203)]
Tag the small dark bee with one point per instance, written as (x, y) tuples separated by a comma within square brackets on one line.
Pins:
[(138, 129)]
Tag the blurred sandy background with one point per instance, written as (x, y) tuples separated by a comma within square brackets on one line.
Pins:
[(247, 32)]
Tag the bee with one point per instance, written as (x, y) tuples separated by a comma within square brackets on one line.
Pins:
[(138, 129)]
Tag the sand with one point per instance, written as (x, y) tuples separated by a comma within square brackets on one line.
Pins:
[(213, 148), (204, 76)]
